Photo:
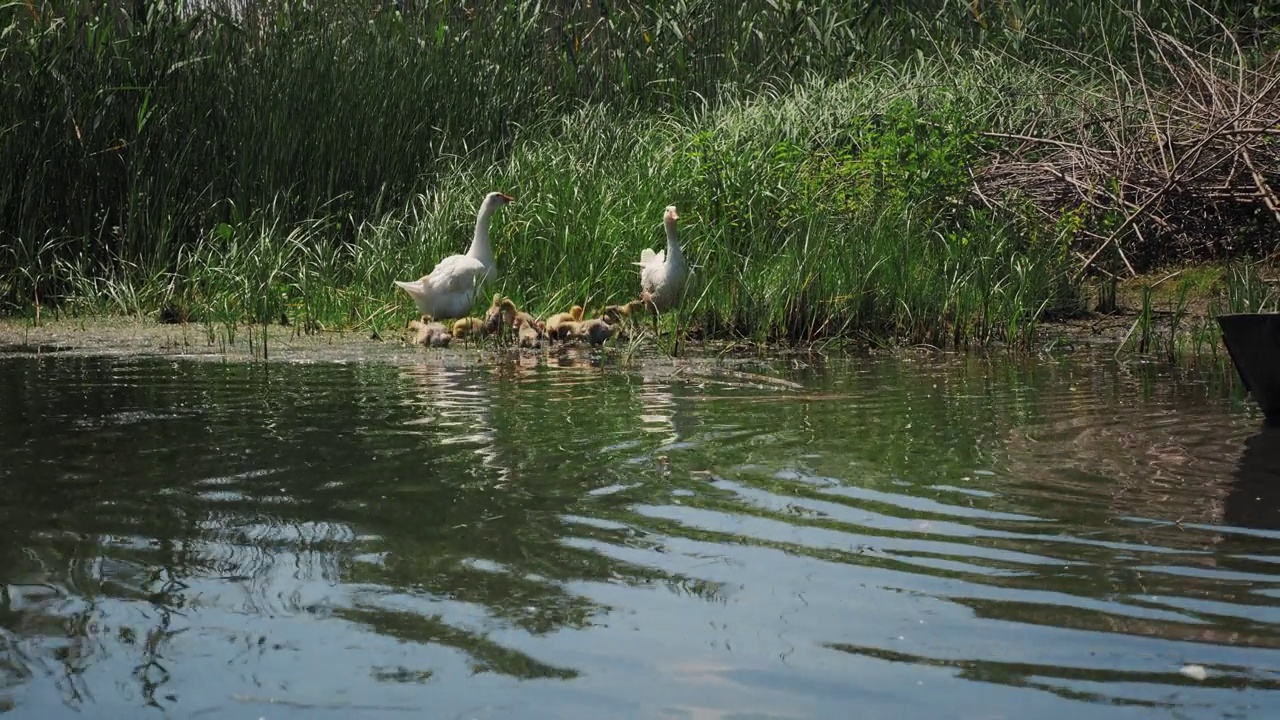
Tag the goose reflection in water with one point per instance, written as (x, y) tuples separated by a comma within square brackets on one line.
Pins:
[(658, 413), (663, 411), (455, 404), (1254, 497)]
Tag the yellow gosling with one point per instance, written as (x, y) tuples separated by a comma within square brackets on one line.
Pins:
[(615, 313), (530, 333), (558, 324), (431, 334), (594, 331), (468, 327)]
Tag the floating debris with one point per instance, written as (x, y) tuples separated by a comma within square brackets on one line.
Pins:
[(1195, 672)]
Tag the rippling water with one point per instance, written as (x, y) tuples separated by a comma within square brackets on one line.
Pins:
[(872, 539)]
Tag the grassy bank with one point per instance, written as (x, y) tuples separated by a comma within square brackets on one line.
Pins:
[(842, 173)]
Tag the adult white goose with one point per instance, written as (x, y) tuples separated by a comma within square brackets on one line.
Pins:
[(663, 274), (449, 291)]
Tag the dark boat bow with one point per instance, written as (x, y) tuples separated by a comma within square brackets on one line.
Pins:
[(1253, 341)]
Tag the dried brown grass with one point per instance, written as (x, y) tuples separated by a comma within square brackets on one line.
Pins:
[(1179, 162)]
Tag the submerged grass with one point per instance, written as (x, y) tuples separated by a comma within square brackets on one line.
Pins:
[(1176, 315), (269, 161)]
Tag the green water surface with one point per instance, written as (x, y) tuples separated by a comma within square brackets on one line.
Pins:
[(870, 538)]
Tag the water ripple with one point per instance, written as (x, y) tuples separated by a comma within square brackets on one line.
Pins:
[(767, 539)]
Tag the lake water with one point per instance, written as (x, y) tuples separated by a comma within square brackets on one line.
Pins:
[(876, 538)]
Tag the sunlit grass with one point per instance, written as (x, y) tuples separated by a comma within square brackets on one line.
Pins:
[(289, 163), (833, 211)]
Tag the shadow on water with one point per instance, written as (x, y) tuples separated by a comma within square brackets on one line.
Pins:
[(909, 538), (1254, 500)]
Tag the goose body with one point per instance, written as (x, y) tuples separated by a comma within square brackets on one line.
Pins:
[(449, 290), (663, 274)]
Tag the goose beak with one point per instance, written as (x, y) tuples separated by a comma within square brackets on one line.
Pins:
[(508, 198)]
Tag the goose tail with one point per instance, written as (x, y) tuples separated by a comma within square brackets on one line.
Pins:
[(413, 287)]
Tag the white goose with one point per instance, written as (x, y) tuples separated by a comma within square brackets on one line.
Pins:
[(663, 274), (449, 291)]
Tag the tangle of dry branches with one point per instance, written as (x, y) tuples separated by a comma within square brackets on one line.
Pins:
[(1183, 168)]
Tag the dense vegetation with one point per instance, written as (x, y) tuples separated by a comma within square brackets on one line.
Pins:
[(230, 163)]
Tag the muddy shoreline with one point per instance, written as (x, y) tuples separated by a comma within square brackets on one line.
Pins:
[(129, 337), (133, 338), (1091, 333)]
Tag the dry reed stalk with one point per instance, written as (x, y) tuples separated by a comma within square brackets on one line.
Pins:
[(1188, 167)]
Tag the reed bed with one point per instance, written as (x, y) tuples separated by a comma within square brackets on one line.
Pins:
[(1188, 170), (259, 161)]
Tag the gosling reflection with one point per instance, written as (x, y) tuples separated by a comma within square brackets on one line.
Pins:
[(482, 531)]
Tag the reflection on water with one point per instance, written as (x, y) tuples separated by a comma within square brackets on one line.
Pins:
[(893, 538), (1253, 500)]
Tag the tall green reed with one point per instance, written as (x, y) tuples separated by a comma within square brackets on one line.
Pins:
[(837, 210), (132, 135), (152, 156)]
